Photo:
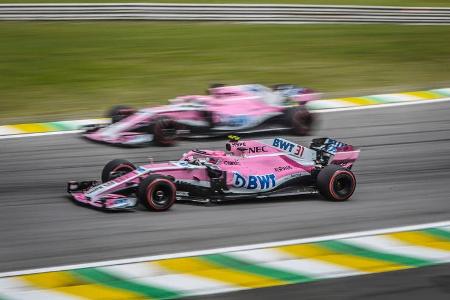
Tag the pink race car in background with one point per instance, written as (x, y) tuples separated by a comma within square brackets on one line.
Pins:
[(226, 109), (247, 169)]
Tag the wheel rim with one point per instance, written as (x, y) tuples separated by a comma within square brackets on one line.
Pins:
[(343, 185), (169, 133), (160, 195), (167, 130)]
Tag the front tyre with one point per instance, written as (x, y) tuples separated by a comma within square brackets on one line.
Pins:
[(300, 120), (336, 183), (157, 193), (117, 168), (165, 132)]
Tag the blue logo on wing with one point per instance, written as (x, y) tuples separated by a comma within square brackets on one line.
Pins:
[(121, 201), (283, 144), (252, 182), (237, 121), (332, 145)]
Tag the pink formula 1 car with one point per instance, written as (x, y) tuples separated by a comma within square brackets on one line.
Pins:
[(226, 109), (247, 169)]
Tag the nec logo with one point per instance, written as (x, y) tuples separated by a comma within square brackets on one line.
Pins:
[(252, 182), (257, 149)]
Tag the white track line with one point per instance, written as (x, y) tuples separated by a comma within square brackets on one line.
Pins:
[(386, 105), (228, 249), (259, 256), (17, 136), (376, 106)]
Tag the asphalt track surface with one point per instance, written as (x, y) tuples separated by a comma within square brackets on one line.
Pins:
[(403, 178)]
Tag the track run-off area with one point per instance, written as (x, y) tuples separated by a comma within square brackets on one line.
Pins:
[(402, 178)]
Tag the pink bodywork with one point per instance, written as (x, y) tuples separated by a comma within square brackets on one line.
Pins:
[(269, 163), (224, 103), (345, 158)]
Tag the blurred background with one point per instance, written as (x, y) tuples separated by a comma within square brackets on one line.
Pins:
[(72, 68), (68, 65)]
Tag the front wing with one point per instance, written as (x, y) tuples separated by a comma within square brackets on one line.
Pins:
[(107, 202)]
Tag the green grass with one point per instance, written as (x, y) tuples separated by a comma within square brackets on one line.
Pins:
[(52, 70), (337, 2)]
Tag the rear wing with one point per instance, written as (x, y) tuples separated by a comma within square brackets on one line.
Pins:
[(329, 145), (330, 151)]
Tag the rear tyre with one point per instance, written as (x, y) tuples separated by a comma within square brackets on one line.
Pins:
[(336, 183), (300, 120), (165, 132), (119, 112), (116, 168), (157, 193), (208, 117)]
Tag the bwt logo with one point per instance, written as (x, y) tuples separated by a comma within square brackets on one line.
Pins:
[(288, 146), (282, 144), (260, 182)]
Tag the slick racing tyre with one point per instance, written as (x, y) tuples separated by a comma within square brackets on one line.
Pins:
[(165, 132), (336, 183), (300, 120), (208, 117), (157, 193), (116, 168), (119, 112)]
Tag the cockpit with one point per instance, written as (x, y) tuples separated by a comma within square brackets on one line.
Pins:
[(203, 157)]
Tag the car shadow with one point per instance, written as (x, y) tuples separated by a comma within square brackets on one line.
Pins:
[(254, 201)]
